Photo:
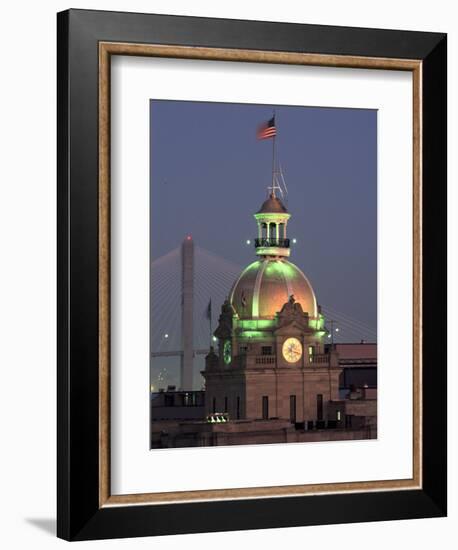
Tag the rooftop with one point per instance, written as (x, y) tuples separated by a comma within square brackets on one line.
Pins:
[(272, 205)]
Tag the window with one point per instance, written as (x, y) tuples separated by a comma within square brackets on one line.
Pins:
[(266, 350), (319, 406), (225, 404), (214, 404), (265, 407), (238, 408), (292, 408), (272, 230), (311, 350), (243, 350)]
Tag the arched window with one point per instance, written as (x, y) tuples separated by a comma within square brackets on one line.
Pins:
[(281, 231)]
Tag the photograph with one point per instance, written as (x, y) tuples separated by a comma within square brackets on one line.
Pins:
[(263, 274)]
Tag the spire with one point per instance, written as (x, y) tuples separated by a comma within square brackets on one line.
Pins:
[(273, 216)]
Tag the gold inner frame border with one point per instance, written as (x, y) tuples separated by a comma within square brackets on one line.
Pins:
[(106, 50)]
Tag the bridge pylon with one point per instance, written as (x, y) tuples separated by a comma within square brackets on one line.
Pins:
[(187, 313)]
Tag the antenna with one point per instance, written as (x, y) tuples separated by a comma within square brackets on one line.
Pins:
[(275, 185), (283, 181), (279, 183)]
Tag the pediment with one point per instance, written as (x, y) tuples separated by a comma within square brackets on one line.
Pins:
[(294, 328)]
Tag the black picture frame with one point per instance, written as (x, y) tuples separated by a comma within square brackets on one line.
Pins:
[(80, 516)]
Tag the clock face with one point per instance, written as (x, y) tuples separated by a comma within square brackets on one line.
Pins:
[(227, 352), (292, 350)]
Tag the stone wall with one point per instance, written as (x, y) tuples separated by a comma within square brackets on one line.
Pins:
[(278, 385)]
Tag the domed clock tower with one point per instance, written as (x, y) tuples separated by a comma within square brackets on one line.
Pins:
[(271, 361)]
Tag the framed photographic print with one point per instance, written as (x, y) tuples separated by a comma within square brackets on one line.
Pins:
[(252, 274)]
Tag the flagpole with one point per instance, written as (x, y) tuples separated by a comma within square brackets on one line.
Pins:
[(210, 322), (273, 159)]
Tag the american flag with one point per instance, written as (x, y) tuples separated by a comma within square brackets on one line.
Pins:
[(267, 130)]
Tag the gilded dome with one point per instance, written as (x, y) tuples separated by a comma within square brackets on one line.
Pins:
[(265, 285)]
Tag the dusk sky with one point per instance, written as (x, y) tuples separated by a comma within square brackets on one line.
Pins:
[(209, 175)]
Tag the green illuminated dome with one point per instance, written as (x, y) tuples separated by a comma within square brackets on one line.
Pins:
[(265, 285)]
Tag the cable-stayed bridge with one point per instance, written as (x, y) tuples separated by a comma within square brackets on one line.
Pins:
[(183, 282)]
